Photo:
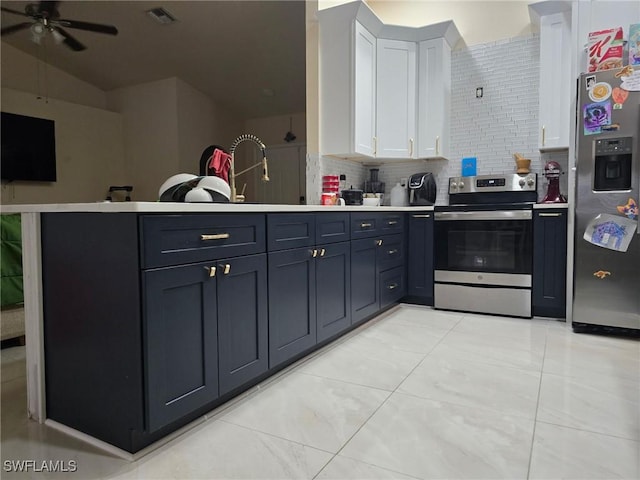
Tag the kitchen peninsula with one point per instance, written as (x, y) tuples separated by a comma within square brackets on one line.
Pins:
[(142, 317)]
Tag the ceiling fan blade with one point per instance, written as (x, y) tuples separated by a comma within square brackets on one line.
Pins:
[(16, 12), (16, 28), (49, 8), (70, 41), (92, 27)]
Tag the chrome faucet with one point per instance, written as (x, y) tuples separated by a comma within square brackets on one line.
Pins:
[(232, 175)]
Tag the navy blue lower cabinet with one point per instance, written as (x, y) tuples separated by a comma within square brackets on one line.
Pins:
[(292, 303), (420, 258), (242, 320), (181, 351), (365, 294), (549, 263), (333, 289)]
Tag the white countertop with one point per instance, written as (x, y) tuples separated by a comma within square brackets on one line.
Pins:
[(170, 207), (541, 206)]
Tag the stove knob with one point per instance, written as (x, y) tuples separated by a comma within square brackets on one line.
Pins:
[(461, 185), (521, 182), (530, 181)]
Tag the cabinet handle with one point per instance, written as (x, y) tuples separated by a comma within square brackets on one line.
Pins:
[(379, 242), (314, 253), (322, 252), (437, 145), (549, 214), (392, 222), (392, 286), (227, 269), (422, 216), (375, 145), (392, 252), (410, 147), (365, 225), (211, 270), (543, 134), (215, 236)]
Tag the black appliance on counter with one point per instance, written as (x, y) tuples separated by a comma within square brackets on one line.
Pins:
[(422, 189), (484, 245)]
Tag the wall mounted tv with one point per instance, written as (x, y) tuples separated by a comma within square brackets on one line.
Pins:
[(28, 148)]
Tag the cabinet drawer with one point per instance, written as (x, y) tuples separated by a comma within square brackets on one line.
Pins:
[(391, 253), (365, 224), (290, 230), (178, 239), (392, 223), (392, 286), (332, 228)]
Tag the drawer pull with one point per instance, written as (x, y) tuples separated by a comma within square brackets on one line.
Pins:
[(322, 252), (211, 270), (314, 253), (392, 222), (392, 286), (550, 214), (215, 236), (365, 225), (422, 216), (392, 252), (379, 242), (227, 269)]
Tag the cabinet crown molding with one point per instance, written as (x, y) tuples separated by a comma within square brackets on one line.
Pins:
[(361, 12), (541, 9)]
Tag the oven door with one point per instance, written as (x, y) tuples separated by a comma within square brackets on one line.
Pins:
[(498, 244)]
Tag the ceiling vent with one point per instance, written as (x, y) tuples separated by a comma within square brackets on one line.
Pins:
[(160, 15)]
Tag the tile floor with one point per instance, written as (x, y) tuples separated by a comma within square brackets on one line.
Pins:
[(414, 394)]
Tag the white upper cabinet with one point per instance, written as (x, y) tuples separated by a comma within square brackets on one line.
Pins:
[(396, 99), (364, 109), (434, 98), (369, 93), (555, 109)]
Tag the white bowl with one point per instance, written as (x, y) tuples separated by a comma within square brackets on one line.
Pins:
[(371, 202)]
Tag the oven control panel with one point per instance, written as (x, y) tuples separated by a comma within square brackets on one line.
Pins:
[(493, 183)]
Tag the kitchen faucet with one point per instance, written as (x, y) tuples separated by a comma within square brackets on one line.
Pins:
[(232, 175)]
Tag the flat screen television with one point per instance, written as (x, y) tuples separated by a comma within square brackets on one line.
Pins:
[(28, 148)]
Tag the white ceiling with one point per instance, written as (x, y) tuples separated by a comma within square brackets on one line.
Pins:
[(230, 50)]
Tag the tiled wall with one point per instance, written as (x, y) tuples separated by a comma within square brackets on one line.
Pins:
[(492, 128)]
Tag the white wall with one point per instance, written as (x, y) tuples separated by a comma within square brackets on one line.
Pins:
[(89, 151), (200, 123), (29, 74), (150, 114)]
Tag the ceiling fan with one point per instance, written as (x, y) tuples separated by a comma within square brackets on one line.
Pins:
[(46, 18)]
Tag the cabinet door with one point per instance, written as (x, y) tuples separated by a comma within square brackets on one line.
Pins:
[(181, 354), (364, 108), (292, 303), (365, 299), (555, 81), (396, 99), (242, 320), (333, 289), (420, 258), (434, 98), (549, 263)]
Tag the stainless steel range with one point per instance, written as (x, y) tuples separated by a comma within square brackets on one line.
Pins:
[(484, 245)]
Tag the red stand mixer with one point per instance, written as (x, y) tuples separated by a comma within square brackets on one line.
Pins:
[(552, 172)]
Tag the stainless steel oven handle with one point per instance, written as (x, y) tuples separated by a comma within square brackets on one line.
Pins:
[(485, 215)]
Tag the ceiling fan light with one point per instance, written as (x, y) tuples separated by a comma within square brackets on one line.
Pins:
[(38, 29), (57, 36)]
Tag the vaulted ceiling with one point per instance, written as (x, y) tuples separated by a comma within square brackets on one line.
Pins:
[(248, 56)]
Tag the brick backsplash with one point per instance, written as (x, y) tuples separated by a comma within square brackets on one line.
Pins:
[(492, 128)]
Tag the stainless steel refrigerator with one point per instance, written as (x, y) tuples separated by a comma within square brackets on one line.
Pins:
[(607, 240)]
